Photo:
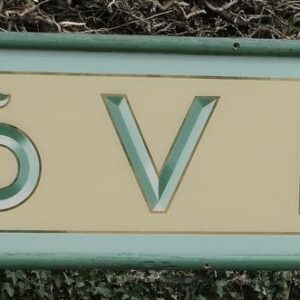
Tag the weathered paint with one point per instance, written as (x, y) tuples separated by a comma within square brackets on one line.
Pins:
[(150, 44), (167, 251)]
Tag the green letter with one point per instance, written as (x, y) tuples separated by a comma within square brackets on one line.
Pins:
[(158, 189), (29, 167)]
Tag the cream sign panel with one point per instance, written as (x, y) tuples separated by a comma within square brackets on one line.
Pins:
[(91, 153)]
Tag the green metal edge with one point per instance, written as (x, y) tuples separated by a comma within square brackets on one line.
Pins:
[(149, 44), (146, 251)]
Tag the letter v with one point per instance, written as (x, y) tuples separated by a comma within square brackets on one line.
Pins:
[(159, 189)]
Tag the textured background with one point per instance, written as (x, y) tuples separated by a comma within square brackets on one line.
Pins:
[(216, 18)]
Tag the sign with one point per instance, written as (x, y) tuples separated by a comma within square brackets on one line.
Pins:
[(144, 152)]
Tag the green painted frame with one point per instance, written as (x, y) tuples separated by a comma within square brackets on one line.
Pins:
[(148, 251), (150, 44), (23, 52)]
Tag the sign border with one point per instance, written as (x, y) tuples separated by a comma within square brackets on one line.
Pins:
[(164, 251), (149, 44)]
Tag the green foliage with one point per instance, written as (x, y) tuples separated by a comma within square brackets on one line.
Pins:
[(135, 285)]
